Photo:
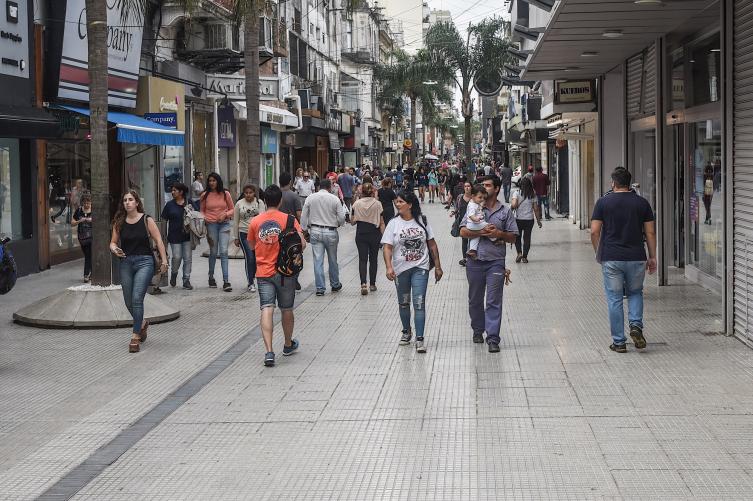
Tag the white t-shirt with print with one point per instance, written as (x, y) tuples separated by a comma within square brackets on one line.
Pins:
[(408, 241)]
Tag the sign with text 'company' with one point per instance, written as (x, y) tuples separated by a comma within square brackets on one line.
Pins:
[(123, 48)]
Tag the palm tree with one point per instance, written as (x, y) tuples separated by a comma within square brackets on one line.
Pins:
[(483, 52), (408, 76)]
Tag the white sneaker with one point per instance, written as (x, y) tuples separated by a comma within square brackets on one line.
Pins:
[(251, 288), (420, 348)]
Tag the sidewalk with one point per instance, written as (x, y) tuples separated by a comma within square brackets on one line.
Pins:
[(555, 415)]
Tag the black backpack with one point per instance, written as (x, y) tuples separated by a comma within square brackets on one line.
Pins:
[(290, 256)]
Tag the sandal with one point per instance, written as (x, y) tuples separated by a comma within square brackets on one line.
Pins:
[(142, 333), (364, 289), (133, 346), (517, 259), (524, 260)]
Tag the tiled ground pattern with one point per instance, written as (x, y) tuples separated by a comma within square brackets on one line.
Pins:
[(353, 416)]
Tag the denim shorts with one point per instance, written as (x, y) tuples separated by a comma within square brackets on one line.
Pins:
[(276, 287)]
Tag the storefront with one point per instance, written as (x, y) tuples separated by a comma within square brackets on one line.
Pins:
[(21, 126), (135, 146)]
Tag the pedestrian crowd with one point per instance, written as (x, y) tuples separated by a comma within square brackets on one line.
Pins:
[(491, 206)]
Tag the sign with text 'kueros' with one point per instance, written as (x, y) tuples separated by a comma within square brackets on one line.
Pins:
[(574, 92), (123, 48)]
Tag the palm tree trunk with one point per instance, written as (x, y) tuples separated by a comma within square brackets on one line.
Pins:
[(96, 28), (253, 127), (467, 138), (414, 144)]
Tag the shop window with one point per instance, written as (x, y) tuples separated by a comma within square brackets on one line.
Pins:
[(644, 164), (705, 71), (68, 178), (706, 199), (172, 160), (11, 192), (141, 170)]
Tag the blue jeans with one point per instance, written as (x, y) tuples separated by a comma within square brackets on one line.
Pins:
[(136, 274), (486, 280), (250, 257), (219, 238), (323, 239), (181, 251), (624, 278), (411, 285), (506, 189)]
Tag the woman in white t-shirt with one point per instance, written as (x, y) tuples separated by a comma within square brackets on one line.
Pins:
[(408, 240)]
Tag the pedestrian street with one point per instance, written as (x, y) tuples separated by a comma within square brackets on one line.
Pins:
[(354, 416)]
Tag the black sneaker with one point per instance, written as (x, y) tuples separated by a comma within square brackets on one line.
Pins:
[(338, 288), (289, 350), (405, 338), (478, 338), (187, 285), (493, 348), (297, 285), (319, 293), (619, 348), (636, 334), (461, 262), (269, 359), (227, 287), (173, 280), (212, 282)]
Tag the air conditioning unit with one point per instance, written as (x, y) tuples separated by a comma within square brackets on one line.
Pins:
[(315, 102), (222, 36)]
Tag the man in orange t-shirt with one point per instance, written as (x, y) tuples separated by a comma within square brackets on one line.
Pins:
[(263, 236)]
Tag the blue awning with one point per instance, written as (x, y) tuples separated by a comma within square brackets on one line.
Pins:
[(134, 129)]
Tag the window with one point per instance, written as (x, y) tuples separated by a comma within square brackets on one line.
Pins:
[(349, 34), (69, 177), (11, 207), (293, 56), (297, 21), (311, 28), (303, 60)]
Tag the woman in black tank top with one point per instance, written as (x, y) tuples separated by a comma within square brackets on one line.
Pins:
[(131, 230)]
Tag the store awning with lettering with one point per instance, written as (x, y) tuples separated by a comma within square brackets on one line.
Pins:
[(268, 114), (137, 130)]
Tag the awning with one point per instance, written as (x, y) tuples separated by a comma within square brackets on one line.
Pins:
[(137, 130), (268, 114), (28, 123), (334, 141)]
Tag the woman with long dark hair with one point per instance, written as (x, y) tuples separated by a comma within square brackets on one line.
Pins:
[(131, 231), (367, 214), (218, 207), (387, 197), (408, 240), (526, 208)]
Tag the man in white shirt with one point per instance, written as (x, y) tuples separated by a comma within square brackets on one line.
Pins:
[(197, 188), (304, 186), (321, 216)]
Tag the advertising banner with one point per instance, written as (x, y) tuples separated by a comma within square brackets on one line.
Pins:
[(225, 127), (124, 50)]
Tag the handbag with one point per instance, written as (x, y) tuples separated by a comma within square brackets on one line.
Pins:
[(426, 232), (155, 252)]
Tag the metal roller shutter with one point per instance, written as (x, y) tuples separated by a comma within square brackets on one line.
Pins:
[(634, 83), (742, 169), (641, 84), (649, 81)]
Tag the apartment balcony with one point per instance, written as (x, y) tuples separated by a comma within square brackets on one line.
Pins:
[(359, 55)]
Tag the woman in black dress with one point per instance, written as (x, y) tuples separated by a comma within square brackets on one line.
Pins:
[(387, 197)]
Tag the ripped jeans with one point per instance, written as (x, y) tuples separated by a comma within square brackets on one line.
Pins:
[(411, 284)]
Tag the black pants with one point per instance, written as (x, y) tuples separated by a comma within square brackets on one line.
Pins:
[(465, 247), (367, 243), (87, 250), (525, 226)]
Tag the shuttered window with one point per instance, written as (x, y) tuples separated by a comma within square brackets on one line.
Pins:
[(641, 84), (742, 171)]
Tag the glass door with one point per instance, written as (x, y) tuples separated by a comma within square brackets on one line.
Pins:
[(677, 200)]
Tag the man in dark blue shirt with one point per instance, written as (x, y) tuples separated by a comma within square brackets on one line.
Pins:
[(621, 220)]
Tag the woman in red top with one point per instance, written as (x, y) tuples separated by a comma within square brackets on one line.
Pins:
[(217, 207)]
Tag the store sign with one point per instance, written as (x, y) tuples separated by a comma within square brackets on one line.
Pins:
[(270, 117), (167, 104), (165, 119), (234, 87), (123, 48), (268, 141), (14, 43), (226, 127), (574, 92)]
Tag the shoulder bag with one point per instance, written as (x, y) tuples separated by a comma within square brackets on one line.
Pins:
[(155, 252)]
